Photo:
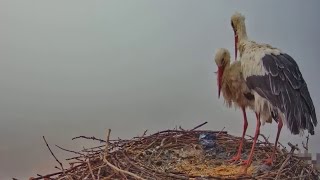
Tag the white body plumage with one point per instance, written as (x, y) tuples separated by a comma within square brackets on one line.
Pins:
[(251, 54)]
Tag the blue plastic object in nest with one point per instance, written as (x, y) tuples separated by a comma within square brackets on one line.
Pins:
[(208, 140)]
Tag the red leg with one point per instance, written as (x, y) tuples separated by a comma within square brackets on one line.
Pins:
[(269, 161), (247, 162), (245, 125)]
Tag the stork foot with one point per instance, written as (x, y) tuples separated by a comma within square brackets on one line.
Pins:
[(244, 170), (268, 161), (235, 158), (245, 162)]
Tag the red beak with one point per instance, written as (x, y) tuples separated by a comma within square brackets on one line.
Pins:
[(235, 45), (220, 72)]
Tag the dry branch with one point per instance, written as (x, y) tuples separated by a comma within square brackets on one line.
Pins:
[(53, 155)]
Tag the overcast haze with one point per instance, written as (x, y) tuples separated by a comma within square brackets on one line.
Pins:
[(70, 68)]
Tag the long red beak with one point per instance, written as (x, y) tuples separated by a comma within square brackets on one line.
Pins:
[(235, 45), (220, 72)]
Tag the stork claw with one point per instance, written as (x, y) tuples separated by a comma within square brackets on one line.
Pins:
[(245, 162), (234, 158), (244, 170)]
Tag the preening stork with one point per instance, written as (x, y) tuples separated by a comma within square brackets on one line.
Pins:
[(235, 91), (274, 78)]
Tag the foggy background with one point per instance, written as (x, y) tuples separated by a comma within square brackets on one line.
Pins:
[(76, 67)]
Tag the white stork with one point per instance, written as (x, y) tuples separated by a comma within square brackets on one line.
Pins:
[(234, 90), (275, 79)]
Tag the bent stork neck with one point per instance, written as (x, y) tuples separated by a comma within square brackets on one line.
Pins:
[(242, 37), (242, 32)]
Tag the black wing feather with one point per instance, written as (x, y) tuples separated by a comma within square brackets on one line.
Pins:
[(284, 87)]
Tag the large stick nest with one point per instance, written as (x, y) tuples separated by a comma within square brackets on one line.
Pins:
[(180, 154)]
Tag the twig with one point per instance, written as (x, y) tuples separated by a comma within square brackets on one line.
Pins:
[(114, 167), (140, 137), (57, 173), (92, 138), (98, 174), (220, 131), (265, 139), (123, 171), (270, 144), (301, 174), (90, 169), (180, 128), (63, 171), (136, 166), (283, 148), (107, 145), (44, 178), (293, 148), (144, 133), (70, 150), (298, 177), (200, 125)]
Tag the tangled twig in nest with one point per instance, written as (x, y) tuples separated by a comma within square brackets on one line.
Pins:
[(178, 154)]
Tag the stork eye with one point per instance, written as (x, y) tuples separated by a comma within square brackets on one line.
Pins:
[(222, 61)]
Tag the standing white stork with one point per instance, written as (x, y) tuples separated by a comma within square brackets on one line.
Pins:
[(274, 79), (235, 91)]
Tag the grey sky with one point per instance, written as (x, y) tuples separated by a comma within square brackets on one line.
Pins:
[(71, 68)]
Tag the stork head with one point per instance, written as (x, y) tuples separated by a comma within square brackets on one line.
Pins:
[(238, 26), (222, 59)]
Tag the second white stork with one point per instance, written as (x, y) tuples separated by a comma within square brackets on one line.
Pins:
[(274, 78), (235, 91)]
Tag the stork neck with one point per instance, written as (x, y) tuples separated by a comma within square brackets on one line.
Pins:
[(242, 37), (242, 32), (227, 65)]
